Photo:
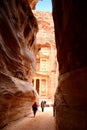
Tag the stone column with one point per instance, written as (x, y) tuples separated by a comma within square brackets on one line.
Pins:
[(70, 19), (40, 87), (46, 87), (35, 83)]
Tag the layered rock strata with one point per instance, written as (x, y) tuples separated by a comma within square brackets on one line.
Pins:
[(18, 28), (70, 32)]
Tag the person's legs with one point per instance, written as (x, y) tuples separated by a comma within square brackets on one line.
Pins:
[(42, 109), (34, 113)]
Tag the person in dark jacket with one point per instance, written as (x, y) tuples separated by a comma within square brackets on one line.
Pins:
[(34, 108)]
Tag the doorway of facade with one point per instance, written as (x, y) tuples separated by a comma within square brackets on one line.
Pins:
[(37, 85)]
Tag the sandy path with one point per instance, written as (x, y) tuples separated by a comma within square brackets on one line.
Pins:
[(42, 121)]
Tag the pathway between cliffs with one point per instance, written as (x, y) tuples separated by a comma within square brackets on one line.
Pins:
[(42, 121)]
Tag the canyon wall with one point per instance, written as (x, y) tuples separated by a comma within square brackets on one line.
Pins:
[(71, 40), (18, 28)]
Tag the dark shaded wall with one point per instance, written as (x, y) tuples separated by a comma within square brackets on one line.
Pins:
[(70, 20)]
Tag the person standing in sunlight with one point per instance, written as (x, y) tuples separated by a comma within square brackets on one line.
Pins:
[(42, 106)]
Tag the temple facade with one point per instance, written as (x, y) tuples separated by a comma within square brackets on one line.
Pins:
[(45, 79)]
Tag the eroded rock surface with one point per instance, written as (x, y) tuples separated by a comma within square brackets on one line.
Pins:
[(70, 31), (46, 28), (18, 28)]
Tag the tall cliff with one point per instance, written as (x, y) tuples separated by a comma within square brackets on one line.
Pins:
[(46, 28), (70, 20), (18, 28)]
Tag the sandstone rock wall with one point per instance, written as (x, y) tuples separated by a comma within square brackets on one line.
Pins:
[(18, 28), (70, 32), (46, 28)]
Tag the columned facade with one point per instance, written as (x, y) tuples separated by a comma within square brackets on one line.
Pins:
[(44, 80), (46, 61), (40, 84)]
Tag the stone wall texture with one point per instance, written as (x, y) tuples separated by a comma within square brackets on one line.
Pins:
[(71, 39), (18, 28)]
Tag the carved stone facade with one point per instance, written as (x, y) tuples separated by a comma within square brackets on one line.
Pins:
[(45, 79)]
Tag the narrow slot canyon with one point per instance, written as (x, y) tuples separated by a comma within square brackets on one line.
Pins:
[(19, 53)]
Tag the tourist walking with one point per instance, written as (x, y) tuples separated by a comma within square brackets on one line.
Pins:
[(42, 106), (34, 108)]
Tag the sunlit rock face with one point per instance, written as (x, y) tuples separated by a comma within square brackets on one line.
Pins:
[(18, 28), (46, 27), (71, 39), (33, 3)]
